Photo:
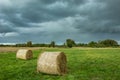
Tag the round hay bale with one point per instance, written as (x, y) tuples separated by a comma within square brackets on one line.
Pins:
[(24, 54), (52, 63)]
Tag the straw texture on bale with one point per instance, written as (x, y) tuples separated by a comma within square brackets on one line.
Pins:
[(52, 63), (24, 54)]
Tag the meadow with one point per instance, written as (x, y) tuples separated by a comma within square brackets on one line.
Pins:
[(82, 64)]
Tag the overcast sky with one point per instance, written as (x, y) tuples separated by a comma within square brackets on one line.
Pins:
[(42, 21)]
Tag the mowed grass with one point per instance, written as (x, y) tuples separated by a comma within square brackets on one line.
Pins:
[(82, 64)]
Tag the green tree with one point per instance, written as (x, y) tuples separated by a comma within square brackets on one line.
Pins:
[(108, 43), (52, 44), (29, 44), (81, 45), (70, 43), (92, 44), (64, 45)]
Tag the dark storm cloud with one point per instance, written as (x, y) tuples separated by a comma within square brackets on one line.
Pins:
[(5, 27), (46, 20), (44, 10), (102, 17), (13, 16), (41, 10), (38, 11)]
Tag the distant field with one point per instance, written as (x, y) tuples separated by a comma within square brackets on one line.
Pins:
[(14, 49), (83, 64)]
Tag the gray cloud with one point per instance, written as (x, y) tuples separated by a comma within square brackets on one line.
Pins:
[(5, 27), (102, 17), (46, 20)]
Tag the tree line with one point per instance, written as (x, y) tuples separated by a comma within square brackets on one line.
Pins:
[(69, 43)]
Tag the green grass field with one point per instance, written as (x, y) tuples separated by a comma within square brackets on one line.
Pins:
[(82, 64)]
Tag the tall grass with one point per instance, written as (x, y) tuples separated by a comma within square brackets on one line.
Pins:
[(83, 64)]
